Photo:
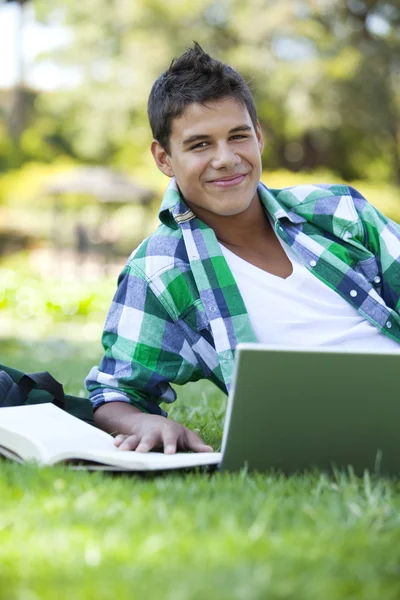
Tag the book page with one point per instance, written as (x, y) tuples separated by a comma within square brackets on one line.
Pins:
[(146, 461), (41, 431), (20, 446), (6, 453)]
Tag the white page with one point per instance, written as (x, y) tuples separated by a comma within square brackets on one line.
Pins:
[(52, 430), (10, 454), (146, 461)]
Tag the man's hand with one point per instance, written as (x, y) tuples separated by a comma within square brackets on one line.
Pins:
[(143, 432), (151, 432)]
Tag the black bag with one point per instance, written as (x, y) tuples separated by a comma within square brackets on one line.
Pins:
[(17, 388)]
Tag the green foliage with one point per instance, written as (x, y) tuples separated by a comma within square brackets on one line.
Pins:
[(25, 185), (33, 306), (324, 76), (8, 154)]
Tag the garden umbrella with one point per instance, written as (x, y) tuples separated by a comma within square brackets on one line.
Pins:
[(104, 183)]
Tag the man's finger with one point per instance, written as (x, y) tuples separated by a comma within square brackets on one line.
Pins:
[(129, 443), (119, 439), (147, 443), (195, 443), (169, 442)]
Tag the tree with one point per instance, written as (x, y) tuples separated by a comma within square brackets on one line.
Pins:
[(325, 75)]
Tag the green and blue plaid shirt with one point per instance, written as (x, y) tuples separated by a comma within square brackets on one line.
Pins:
[(178, 315)]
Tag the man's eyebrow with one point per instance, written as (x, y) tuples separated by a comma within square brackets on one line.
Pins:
[(240, 128), (195, 138), (202, 138)]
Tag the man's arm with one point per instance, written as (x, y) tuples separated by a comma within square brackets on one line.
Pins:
[(382, 238), (145, 350), (143, 432)]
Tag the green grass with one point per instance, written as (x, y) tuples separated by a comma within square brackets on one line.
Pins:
[(189, 536)]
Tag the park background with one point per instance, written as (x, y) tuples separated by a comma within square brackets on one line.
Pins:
[(79, 190)]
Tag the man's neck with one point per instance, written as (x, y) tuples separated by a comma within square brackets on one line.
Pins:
[(246, 229)]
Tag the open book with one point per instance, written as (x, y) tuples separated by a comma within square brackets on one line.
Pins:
[(48, 435)]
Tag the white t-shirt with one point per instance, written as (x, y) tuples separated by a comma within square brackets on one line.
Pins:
[(301, 310)]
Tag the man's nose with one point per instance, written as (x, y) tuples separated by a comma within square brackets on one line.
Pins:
[(224, 157)]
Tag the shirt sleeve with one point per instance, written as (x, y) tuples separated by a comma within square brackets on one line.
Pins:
[(382, 239), (145, 349)]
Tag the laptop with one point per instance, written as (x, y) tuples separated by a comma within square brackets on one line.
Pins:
[(294, 410)]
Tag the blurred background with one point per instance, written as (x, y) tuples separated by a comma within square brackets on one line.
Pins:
[(78, 187)]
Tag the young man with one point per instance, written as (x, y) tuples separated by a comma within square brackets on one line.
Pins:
[(233, 261)]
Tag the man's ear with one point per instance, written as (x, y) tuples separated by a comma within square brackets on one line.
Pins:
[(260, 138), (162, 158)]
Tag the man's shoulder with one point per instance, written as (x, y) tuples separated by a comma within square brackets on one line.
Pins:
[(163, 249), (335, 199), (312, 191)]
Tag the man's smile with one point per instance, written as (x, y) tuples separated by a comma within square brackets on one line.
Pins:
[(228, 181)]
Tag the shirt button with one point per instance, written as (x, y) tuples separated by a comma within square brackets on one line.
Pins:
[(377, 279), (388, 324), (212, 308), (313, 263), (353, 293), (195, 257)]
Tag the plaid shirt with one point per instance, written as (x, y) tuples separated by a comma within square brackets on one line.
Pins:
[(178, 315)]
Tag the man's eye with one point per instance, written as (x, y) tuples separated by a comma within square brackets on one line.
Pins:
[(239, 136), (199, 145)]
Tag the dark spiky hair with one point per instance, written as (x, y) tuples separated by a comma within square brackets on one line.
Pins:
[(193, 77)]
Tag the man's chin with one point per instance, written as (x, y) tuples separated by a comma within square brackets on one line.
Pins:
[(231, 204), (231, 211)]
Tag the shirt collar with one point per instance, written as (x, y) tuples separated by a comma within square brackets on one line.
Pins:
[(174, 211), (278, 209)]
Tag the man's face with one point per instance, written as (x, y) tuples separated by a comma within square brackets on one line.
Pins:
[(215, 155)]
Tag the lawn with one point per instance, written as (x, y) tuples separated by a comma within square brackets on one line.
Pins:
[(189, 536)]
